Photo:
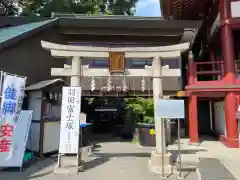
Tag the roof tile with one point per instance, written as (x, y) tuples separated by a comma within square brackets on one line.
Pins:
[(14, 31)]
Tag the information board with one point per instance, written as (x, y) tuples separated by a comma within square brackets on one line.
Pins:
[(170, 109)]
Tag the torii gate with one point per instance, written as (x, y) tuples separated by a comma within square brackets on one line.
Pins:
[(155, 71)]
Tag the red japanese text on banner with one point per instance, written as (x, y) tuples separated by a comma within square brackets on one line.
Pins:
[(11, 104)]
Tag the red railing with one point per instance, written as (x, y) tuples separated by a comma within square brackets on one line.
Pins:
[(212, 68)]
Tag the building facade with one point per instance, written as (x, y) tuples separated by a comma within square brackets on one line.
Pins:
[(21, 50), (212, 70)]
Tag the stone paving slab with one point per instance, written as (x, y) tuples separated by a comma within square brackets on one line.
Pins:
[(211, 169), (109, 161)]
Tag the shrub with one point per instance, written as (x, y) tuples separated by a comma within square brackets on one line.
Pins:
[(142, 108)]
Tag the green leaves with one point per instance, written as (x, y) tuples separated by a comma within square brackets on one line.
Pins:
[(106, 7), (143, 108)]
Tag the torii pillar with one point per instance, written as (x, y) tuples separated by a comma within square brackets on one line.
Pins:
[(160, 161), (74, 82), (76, 72)]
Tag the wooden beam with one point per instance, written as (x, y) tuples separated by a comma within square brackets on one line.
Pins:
[(122, 31), (139, 55)]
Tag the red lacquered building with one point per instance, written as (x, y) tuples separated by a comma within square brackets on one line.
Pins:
[(211, 70)]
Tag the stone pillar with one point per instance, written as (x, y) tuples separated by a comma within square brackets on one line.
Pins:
[(229, 73), (66, 164), (158, 94), (76, 72), (76, 82), (160, 160), (192, 102)]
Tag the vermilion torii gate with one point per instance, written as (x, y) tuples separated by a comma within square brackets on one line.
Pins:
[(76, 71)]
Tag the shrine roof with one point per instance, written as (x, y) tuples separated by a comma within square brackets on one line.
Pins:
[(42, 84), (13, 29), (125, 21), (11, 33)]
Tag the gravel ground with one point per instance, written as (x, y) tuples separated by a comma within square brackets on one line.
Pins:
[(109, 161)]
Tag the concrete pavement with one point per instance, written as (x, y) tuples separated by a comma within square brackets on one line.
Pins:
[(213, 149), (113, 160)]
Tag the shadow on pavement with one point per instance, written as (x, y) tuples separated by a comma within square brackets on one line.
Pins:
[(35, 169), (101, 158), (183, 151)]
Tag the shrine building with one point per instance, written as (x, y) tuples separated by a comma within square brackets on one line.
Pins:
[(21, 40), (213, 84), (187, 42)]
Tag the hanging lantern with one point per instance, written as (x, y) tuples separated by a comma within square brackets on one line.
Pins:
[(93, 84)]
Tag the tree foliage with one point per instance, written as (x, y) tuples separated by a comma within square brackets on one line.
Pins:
[(109, 7), (8, 7)]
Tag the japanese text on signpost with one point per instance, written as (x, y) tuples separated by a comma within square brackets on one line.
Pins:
[(70, 115)]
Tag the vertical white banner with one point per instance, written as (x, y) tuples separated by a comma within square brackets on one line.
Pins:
[(70, 116), (19, 139), (11, 104)]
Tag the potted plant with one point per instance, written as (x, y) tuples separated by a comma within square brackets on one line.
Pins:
[(143, 113)]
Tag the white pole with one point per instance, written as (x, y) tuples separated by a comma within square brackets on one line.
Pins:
[(158, 94)]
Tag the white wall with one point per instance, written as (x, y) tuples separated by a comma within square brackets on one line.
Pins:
[(35, 103), (220, 123), (235, 9)]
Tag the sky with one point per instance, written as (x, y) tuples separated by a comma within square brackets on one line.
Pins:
[(148, 8)]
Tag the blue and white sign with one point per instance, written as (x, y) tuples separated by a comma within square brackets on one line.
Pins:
[(170, 109), (19, 141), (11, 104)]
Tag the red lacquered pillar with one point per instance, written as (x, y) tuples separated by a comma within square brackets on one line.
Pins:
[(192, 100), (229, 73)]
